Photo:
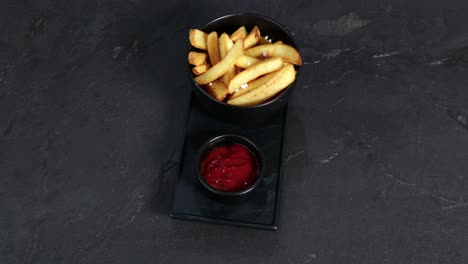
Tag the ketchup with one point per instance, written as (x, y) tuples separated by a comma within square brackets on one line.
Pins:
[(229, 168)]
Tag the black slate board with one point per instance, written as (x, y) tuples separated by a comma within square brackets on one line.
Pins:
[(260, 208)]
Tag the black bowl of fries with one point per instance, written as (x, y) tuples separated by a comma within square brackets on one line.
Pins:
[(243, 67)]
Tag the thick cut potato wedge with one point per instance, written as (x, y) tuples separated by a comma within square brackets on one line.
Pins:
[(240, 33), (225, 45), (197, 70), (280, 81), (217, 89), (288, 53), (223, 66), (198, 39), (253, 72), (252, 38), (254, 84), (245, 62), (229, 75), (213, 48), (197, 58)]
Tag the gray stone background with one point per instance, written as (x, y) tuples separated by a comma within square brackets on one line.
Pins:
[(93, 103)]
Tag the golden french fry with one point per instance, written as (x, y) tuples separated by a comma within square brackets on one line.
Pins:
[(197, 70), (263, 41), (279, 42), (229, 75), (280, 81), (252, 38), (245, 62), (225, 45), (223, 66), (213, 48), (217, 89), (198, 39), (244, 77), (240, 33), (197, 58), (254, 84), (288, 53)]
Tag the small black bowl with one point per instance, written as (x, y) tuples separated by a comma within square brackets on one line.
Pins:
[(223, 140), (245, 114)]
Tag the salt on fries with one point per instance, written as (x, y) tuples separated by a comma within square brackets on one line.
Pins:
[(276, 84), (252, 73), (245, 62), (288, 53), (244, 68)]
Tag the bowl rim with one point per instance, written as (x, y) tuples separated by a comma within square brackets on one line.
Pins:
[(271, 101), (260, 158)]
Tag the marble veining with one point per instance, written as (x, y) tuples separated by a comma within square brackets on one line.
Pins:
[(93, 109)]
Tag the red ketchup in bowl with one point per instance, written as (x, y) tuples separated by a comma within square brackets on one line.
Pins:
[(229, 168)]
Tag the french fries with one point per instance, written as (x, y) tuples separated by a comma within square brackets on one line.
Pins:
[(288, 53), (253, 85), (197, 70), (280, 81), (240, 33), (225, 45), (213, 48), (223, 66), (244, 68), (217, 89), (253, 72), (263, 41), (245, 62), (198, 39), (252, 38), (197, 58)]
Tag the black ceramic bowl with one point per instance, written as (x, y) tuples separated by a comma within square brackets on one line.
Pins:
[(228, 140), (248, 114)]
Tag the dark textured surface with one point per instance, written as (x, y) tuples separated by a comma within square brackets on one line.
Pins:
[(93, 97)]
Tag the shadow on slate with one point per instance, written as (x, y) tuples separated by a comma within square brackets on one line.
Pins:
[(257, 209)]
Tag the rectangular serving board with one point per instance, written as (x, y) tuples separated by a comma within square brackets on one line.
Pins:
[(259, 209)]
